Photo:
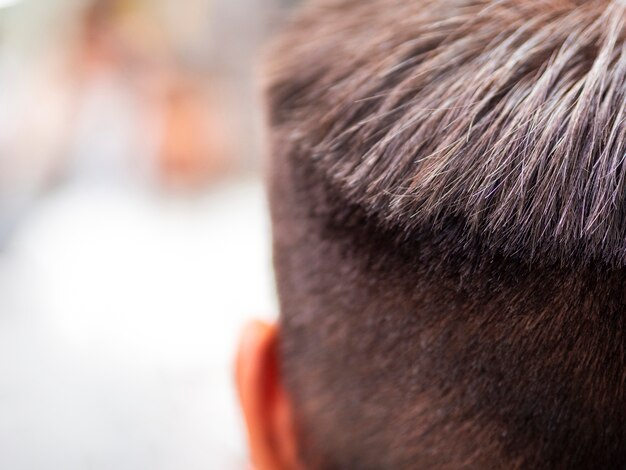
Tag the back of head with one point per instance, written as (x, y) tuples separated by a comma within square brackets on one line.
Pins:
[(449, 209)]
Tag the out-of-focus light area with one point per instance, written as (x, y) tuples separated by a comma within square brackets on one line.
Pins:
[(8, 3), (134, 237)]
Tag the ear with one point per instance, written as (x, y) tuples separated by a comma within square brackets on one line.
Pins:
[(265, 403)]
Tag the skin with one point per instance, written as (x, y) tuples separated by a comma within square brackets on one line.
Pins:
[(265, 403)]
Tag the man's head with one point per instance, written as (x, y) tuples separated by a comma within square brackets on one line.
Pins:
[(448, 194)]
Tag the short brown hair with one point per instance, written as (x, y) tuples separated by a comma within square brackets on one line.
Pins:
[(448, 194)]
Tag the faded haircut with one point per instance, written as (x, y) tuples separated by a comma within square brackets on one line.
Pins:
[(449, 209)]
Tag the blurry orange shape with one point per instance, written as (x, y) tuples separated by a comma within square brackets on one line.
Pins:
[(195, 148)]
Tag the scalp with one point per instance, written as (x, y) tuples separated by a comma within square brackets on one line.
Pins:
[(449, 215)]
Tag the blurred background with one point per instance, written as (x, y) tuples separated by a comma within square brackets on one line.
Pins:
[(134, 237)]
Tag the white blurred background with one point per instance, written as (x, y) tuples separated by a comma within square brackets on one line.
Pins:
[(134, 240)]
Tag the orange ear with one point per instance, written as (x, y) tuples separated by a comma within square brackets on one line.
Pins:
[(264, 400)]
